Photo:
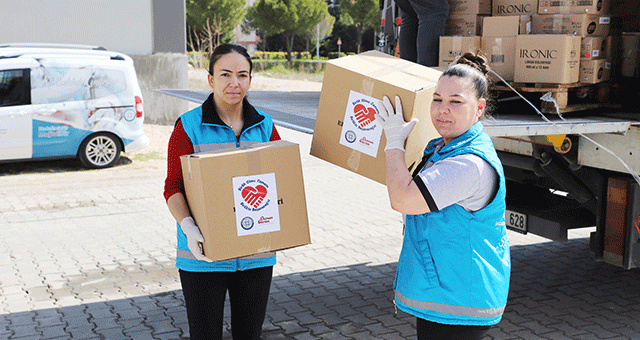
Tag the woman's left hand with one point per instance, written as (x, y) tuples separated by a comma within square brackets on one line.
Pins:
[(395, 128)]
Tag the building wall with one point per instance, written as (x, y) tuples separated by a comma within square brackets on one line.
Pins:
[(152, 32)]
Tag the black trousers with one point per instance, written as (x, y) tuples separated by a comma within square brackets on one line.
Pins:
[(205, 294), (437, 331)]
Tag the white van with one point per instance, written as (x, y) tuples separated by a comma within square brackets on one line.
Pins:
[(59, 101)]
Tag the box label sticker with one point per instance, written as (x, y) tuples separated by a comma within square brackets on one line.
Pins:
[(256, 203), (360, 130)]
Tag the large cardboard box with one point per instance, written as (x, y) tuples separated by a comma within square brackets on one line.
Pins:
[(451, 47), (584, 25), (247, 200), (469, 7), (501, 52), (506, 26), (593, 48), (547, 58), (594, 71), (573, 6), (346, 132), (514, 7), (466, 25)]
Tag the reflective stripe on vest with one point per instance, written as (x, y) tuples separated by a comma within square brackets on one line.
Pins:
[(185, 254), (451, 309)]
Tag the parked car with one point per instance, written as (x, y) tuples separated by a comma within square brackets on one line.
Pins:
[(62, 101)]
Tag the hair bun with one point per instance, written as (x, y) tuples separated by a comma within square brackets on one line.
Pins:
[(477, 61)]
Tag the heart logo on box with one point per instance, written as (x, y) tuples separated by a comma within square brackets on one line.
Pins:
[(254, 195), (364, 115)]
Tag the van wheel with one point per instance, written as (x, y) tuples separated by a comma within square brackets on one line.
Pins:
[(100, 150)]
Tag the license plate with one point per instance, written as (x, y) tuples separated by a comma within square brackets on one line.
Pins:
[(516, 221)]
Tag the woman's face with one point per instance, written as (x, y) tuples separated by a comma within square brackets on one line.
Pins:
[(230, 80), (455, 108)]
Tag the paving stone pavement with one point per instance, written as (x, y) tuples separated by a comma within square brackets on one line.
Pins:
[(90, 255)]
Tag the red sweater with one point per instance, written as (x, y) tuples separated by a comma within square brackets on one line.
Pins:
[(180, 144)]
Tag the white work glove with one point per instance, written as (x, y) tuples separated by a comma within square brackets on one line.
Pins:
[(395, 128), (194, 238)]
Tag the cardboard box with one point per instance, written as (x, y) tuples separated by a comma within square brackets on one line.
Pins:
[(594, 71), (466, 25), (501, 52), (574, 6), (593, 48), (630, 66), (525, 24), (469, 7), (247, 200), (584, 25), (547, 58), (451, 47), (514, 7), (346, 133), (506, 26)]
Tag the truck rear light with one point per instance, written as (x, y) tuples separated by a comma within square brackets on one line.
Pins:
[(383, 22), (138, 107)]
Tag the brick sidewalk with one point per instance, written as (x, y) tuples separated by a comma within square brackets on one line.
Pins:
[(90, 255)]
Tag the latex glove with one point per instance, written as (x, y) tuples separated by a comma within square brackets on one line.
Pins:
[(395, 128), (194, 238)]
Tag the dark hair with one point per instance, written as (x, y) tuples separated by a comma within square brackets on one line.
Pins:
[(473, 67), (225, 49)]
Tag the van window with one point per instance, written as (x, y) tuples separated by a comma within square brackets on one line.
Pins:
[(14, 87), (54, 84)]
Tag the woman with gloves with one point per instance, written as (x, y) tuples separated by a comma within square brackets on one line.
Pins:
[(454, 267), (226, 117)]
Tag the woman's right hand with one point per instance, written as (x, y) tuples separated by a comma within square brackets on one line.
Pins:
[(194, 238), (395, 128)]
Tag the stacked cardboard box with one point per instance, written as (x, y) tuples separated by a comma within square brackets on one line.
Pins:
[(499, 41), (465, 17), (558, 22), (497, 25), (463, 28)]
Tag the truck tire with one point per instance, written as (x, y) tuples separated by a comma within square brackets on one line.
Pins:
[(100, 150)]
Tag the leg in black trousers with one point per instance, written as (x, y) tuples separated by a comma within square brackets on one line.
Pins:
[(437, 331), (249, 294), (205, 293)]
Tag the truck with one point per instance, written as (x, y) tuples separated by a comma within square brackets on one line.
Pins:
[(567, 170)]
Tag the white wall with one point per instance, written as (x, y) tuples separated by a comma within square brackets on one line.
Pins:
[(120, 25)]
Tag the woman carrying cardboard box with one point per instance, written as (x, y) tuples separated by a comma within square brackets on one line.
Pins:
[(225, 117), (454, 267)]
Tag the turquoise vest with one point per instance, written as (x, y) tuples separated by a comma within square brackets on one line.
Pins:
[(211, 130), (454, 266)]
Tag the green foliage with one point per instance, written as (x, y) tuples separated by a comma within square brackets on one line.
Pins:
[(223, 15), (284, 67), (289, 17), (362, 14), (280, 55)]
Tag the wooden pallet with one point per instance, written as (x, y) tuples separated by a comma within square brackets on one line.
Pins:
[(560, 92)]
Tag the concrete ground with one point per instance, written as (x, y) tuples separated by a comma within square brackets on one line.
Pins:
[(89, 254)]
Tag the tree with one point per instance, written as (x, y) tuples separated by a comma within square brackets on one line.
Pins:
[(289, 17), (362, 14), (321, 30), (212, 22)]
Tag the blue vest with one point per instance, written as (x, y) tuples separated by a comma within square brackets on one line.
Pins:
[(209, 129), (454, 266)]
